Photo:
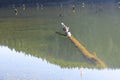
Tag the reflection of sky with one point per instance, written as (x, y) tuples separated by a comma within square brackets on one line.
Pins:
[(18, 66)]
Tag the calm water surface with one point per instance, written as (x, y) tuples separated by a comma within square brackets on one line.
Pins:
[(32, 45), (19, 66)]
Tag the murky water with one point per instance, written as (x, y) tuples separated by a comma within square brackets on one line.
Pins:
[(33, 45)]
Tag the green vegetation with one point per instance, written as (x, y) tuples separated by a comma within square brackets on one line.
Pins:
[(34, 32)]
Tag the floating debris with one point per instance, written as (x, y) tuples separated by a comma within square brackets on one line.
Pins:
[(118, 4), (73, 8), (83, 49), (23, 6), (83, 4), (60, 15), (66, 29), (16, 11)]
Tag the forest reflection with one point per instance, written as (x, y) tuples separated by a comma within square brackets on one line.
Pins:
[(36, 34)]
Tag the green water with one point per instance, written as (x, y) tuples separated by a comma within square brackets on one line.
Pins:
[(34, 32)]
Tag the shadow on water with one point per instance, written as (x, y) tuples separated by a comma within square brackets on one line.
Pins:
[(59, 33)]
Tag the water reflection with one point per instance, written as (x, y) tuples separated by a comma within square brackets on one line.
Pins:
[(34, 33), (18, 66)]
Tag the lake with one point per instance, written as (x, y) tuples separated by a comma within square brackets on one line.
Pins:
[(33, 45)]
